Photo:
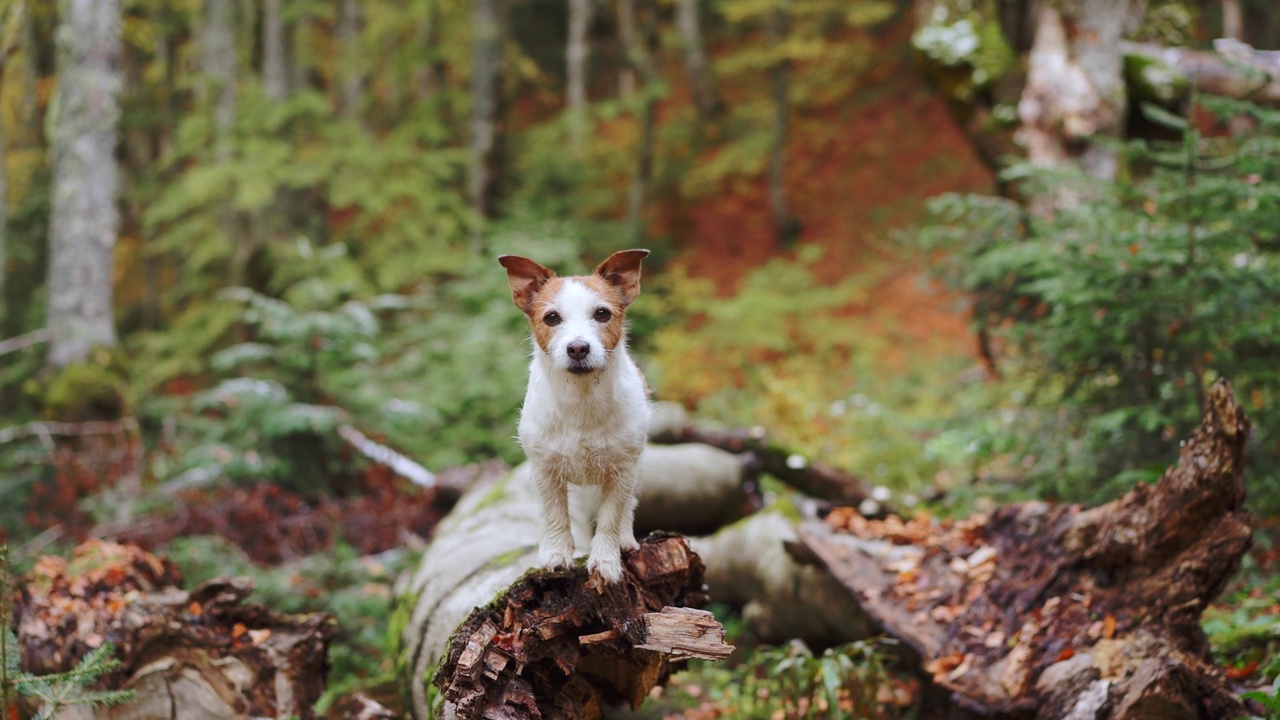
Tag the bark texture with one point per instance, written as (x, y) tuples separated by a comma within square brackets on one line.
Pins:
[(85, 220), (636, 27), (500, 641), (576, 52), (777, 23), (1054, 611), (701, 82), (188, 655), (275, 51), (486, 112)]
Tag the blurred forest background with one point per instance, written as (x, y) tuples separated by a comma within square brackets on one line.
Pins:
[(971, 251)]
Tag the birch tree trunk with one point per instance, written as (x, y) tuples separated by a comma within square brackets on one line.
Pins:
[(85, 219), (785, 227), (701, 85), (486, 113), (576, 52), (275, 51)]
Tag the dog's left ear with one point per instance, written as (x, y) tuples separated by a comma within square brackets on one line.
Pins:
[(526, 278), (622, 270)]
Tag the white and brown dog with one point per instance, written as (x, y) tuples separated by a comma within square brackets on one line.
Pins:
[(586, 411)]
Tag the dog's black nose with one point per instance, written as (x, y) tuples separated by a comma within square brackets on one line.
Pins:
[(579, 350)]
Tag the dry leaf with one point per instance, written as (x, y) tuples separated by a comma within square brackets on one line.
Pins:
[(259, 636), (237, 630), (194, 608), (1109, 626)]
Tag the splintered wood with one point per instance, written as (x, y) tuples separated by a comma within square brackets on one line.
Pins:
[(1053, 611), (557, 645)]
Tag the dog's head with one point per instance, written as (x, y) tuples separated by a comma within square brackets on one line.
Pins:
[(577, 321)]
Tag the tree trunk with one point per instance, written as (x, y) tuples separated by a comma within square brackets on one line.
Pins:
[(487, 142), (636, 27), (701, 84), (189, 656), (1232, 20), (576, 53), (352, 80), (1233, 70), (275, 51), (785, 227), (1075, 83), (504, 642), (1053, 611), (428, 76), (85, 219)]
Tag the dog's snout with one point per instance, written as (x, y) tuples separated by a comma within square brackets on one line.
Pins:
[(579, 350)]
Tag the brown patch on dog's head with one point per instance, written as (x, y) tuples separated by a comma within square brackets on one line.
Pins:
[(540, 306), (526, 278), (622, 270), (610, 298)]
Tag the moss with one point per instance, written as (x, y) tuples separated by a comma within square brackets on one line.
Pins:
[(508, 557), (89, 390), (963, 49), (494, 495), (1149, 79)]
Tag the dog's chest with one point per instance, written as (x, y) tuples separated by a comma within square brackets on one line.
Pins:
[(588, 442)]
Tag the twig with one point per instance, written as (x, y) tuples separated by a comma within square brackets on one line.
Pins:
[(384, 455), (22, 342), (45, 430)]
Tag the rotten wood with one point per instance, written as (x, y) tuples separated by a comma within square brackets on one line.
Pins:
[(1053, 611), (560, 645), (199, 654)]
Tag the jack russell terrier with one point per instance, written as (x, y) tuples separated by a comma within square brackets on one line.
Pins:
[(586, 411)]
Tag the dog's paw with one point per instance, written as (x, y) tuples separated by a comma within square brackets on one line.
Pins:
[(627, 544), (608, 567), (553, 559)]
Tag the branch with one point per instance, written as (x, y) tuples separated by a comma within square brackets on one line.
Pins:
[(384, 455), (22, 342), (1235, 70)]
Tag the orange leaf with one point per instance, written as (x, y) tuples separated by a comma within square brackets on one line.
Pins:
[(238, 629), (194, 608), (1066, 653), (1243, 671), (1109, 626)]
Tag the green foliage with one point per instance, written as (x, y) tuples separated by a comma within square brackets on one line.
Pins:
[(1119, 306), (1269, 699), (842, 682), (54, 691), (964, 48)]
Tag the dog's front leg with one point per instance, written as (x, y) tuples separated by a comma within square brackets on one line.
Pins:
[(556, 546), (617, 507)]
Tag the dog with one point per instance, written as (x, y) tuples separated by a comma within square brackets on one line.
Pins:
[(586, 410)]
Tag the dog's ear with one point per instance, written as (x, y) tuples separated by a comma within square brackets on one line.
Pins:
[(526, 277), (622, 270)]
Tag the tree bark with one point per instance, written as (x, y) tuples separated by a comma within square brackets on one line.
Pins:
[(487, 142), (85, 219), (1075, 83), (428, 76), (785, 227), (1054, 611), (701, 83), (1233, 69), (275, 51), (506, 642), (636, 28), (352, 79), (1232, 20), (188, 655), (576, 53)]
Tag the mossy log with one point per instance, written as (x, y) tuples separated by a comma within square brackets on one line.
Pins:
[(1055, 611), (187, 655), (483, 634)]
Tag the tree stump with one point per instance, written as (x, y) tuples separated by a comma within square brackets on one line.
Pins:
[(187, 655), (482, 634), (1054, 611)]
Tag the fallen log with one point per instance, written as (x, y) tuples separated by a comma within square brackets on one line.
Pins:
[(1055, 611), (811, 477), (199, 654), (482, 634)]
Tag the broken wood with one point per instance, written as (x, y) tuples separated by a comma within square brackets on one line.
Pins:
[(1054, 611), (499, 639), (199, 654)]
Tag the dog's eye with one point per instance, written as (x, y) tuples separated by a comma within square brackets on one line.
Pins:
[(551, 318), (603, 314)]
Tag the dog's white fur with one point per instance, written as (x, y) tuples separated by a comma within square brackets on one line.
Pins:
[(584, 421)]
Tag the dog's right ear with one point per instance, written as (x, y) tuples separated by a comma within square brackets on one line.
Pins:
[(526, 277)]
